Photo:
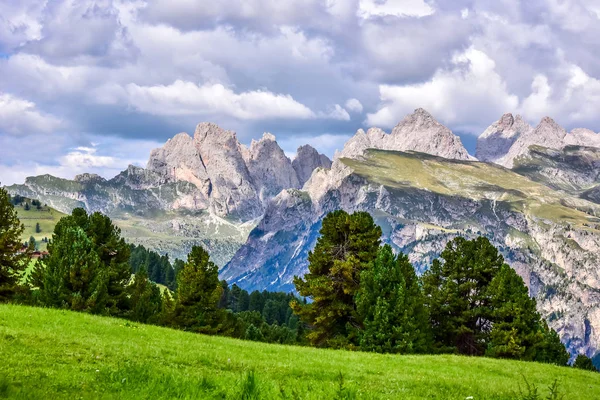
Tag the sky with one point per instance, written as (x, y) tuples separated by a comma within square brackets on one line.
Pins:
[(93, 86)]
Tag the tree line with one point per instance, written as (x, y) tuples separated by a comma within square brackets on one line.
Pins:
[(469, 302), (361, 295)]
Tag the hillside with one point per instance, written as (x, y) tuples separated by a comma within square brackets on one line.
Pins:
[(46, 216), (60, 354)]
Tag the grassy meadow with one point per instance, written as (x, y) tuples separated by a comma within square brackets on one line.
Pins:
[(47, 218), (61, 354)]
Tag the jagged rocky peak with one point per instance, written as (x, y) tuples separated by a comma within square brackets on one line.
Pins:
[(178, 160), (583, 137), (270, 169), (89, 178), (419, 131), (497, 140), (307, 160), (232, 192), (547, 134)]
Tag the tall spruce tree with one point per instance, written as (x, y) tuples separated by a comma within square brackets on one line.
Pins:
[(114, 256), (390, 303), (13, 259), (146, 299), (198, 293), (347, 246), (71, 276), (516, 322)]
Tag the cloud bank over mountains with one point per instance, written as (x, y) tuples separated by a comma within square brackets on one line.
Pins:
[(119, 77)]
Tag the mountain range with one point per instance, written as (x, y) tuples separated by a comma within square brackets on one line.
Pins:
[(533, 191)]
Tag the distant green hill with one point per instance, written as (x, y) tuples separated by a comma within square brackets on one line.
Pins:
[(61, 354), (46, 216)]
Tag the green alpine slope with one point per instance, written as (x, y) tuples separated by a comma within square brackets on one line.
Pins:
[(61, 354)]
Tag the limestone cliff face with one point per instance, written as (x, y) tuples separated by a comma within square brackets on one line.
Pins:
[(511, 138), (270, 168), (307, 160), (420, 132), (496, 141), (232, 189)]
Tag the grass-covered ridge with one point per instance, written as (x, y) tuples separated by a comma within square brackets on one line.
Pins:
[(473, 180), (61, 354)]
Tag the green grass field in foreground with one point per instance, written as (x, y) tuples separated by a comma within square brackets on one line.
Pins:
[(61, 354)]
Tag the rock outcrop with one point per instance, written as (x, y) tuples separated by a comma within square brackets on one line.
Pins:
[(307, 160), (269, 167), (420, 132), (496, 141), (511, 137)]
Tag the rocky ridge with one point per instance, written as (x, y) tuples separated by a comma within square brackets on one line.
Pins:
[(511, 137)]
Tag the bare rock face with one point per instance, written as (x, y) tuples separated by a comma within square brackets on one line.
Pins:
[(583, 137), (307, 160), (511, 138), (497, 140), (270, 168), (420, 132), (89, 178), (179, 160), (232, 192)]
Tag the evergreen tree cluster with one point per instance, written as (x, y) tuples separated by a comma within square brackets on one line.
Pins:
[(262, 316), (469, 302), (158, 268), (87, 267)]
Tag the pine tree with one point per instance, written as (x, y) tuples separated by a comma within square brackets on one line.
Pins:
[(71, 276), (347, 246), (12, 260), (146, 299), (457, 295), (478, 304), (395, 320), (114, 256), (110, 252), (548, 348), (514, 315), (38, 229), (198, 293)]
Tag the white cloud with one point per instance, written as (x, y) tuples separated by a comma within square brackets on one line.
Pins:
[(398, 8), (577, 104), (469, 96), (21, 117), (336, 112), (86, 157), (354, 105), (187, 98)]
